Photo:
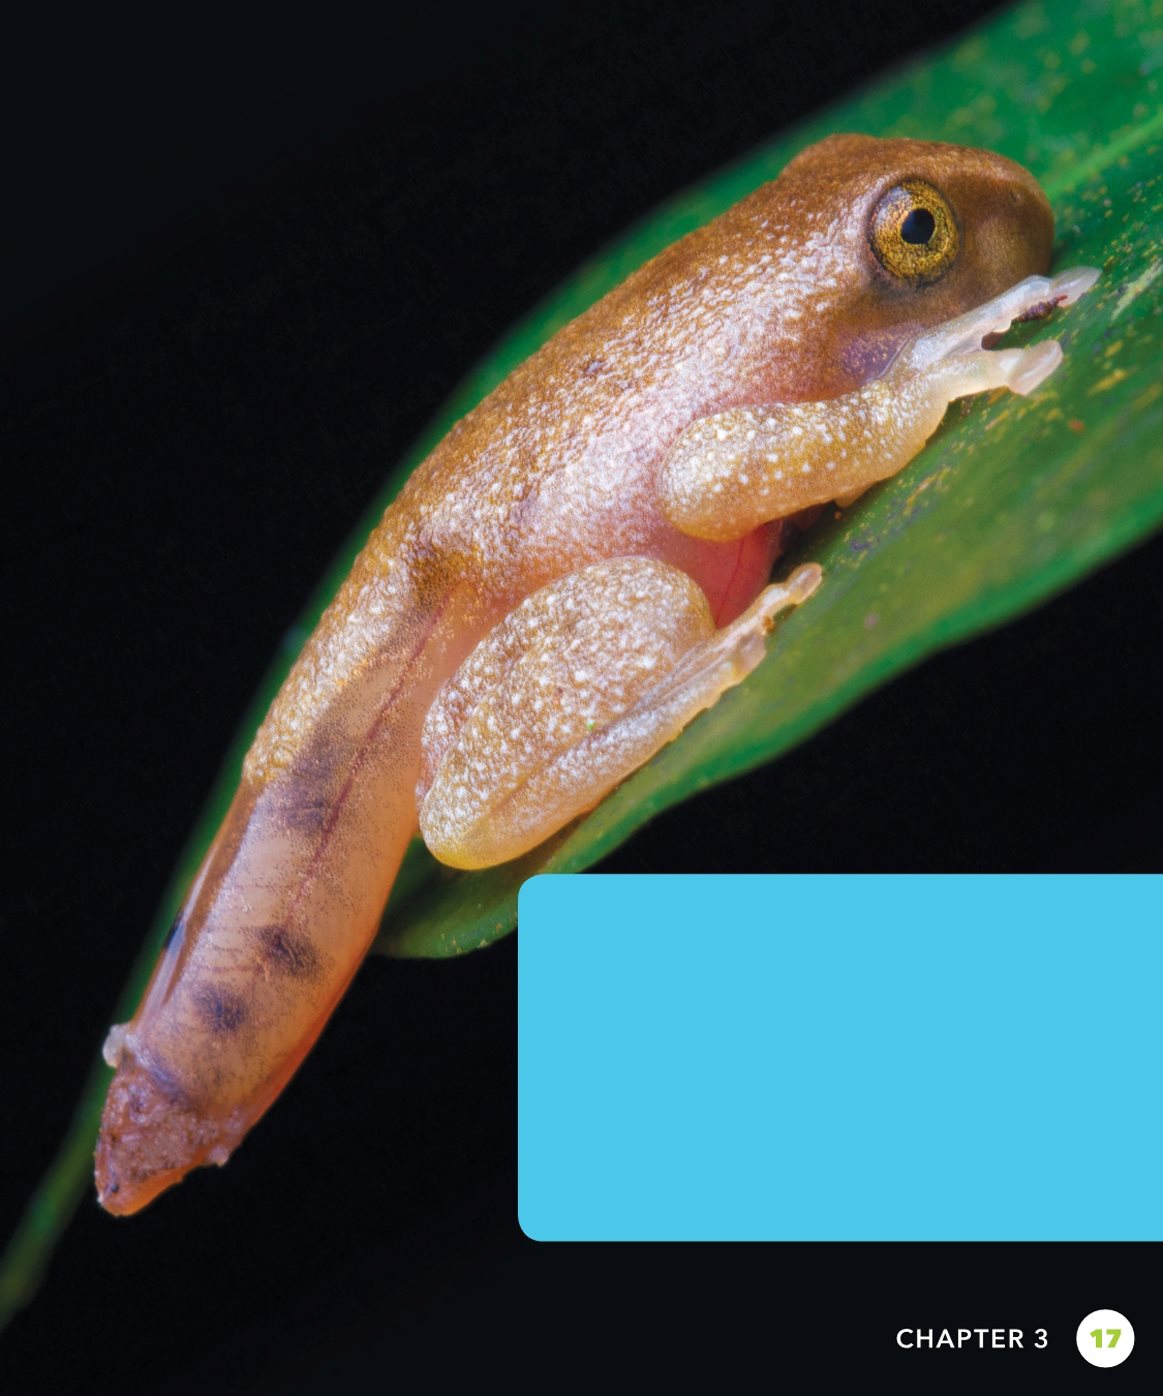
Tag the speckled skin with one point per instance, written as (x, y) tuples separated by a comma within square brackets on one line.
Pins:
[(779, 301)]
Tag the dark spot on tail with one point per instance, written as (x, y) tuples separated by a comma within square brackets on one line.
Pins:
[(288, 952), (303, 794), (220, 1009), (305, 810), (173, 934)]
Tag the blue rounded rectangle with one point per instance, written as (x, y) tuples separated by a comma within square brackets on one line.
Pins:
[(840, 1058)]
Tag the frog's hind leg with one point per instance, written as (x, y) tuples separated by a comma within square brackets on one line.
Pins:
[(735, 470), (569, 694)]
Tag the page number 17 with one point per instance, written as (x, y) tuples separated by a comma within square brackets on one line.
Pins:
[(1112, 1333)]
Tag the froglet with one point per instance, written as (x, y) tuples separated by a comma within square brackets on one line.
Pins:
[(579, 568)]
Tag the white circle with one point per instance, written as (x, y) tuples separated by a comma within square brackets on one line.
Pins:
[(1105, 1338)]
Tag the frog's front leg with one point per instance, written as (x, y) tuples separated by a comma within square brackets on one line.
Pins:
[(730, 472), (576, 688)]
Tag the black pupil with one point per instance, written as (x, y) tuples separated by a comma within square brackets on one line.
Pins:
[(918, 227)]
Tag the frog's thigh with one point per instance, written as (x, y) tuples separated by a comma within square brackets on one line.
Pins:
[(580, 685)]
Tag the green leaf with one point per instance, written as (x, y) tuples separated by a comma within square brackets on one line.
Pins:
[(1009, 503)]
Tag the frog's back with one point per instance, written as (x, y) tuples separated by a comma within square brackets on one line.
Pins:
[(555, 468)]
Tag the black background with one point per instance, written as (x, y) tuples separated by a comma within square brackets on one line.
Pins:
[(245, 266)]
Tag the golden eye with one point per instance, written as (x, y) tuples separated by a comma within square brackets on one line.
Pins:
[(913, 232)]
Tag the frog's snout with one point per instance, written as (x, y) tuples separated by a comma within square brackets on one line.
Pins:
[(1015, 224), (1035, 213)]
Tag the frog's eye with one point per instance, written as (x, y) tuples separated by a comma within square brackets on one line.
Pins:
[(913, 232)]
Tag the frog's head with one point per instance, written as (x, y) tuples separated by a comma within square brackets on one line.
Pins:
[(900, 235)]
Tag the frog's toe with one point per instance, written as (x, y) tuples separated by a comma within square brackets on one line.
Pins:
[(1031, 367), (965, 334), (1022, 371), (1069, 285)]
